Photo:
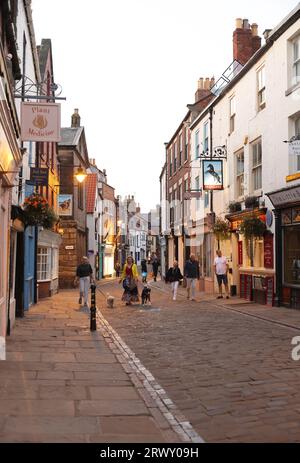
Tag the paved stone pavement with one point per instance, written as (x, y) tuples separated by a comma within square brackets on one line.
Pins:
[(62, 383), (225, 364)]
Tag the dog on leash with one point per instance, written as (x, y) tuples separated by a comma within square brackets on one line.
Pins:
[(146, 295), (110, 301)]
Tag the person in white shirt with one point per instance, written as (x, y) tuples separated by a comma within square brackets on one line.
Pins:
[(221, 268)]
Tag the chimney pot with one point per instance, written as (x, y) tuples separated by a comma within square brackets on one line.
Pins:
[(254, 29), (246, 24), (239, 23), (200, 83)]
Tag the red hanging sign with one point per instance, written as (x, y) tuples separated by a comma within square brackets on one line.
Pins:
[(240, 252), (269, 251)]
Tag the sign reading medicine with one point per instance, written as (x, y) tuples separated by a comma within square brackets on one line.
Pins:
[(40, 122)]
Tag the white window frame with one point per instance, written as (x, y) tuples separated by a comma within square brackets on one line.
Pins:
[(256, 166), (240, 174), (232, 113), (197, 144), (205, 137), (197, 187), (261, 88), (296, 60), (186, 156), (44, 265), (54, 263)]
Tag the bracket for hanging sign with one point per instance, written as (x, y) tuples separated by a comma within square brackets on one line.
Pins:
[(27, 89), (219, 152)]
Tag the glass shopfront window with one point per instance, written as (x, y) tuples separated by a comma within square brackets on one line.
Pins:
[(292, 255), (291, 240)]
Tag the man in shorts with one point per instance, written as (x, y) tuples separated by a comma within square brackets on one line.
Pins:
[(221, 268)]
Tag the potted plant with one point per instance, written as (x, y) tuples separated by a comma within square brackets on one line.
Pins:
[(221, 230), (37, 212), (251, 202), (252, 227), (234, 206)]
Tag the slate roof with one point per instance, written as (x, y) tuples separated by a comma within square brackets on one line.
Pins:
[(91, 188), (70, 136)]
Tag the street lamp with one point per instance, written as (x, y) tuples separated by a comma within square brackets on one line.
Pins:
[(80, 175)]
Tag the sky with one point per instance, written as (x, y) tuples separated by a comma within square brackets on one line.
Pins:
[(132, 66)]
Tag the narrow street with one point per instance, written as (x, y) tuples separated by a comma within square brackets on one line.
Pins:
[(228, 367)]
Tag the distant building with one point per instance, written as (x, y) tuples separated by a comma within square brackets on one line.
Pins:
[(72, 155)]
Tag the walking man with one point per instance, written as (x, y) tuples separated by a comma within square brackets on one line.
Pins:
[(192, 274), (155, 265), (221, 268), (84, 274)]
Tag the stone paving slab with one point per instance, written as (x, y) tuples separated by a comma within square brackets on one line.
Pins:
[(60, 382)]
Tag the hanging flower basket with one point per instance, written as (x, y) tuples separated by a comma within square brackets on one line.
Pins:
[(252, 227), (234, 206), (37, 212), (251, 202), (221, 229)]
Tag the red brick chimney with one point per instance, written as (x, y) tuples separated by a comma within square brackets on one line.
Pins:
[(204, 86), (245, 40)]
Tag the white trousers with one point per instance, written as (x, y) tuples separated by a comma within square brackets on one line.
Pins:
[(174, 286), (191, 286), (84, 285)]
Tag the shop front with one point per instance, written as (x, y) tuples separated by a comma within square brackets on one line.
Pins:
[(287, 223), (253, 258)]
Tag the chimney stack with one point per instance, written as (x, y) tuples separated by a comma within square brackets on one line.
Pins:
[(246, 40), (75, 120), (204, 86)]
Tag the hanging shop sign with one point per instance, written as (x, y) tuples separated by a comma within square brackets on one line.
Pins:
[(269, 251), (294, 148), (39, 176), (285, 196), (212, 174), (65, 205), (40, 122), (240, 252)]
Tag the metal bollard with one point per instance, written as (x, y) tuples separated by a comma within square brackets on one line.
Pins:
[(93, 326)]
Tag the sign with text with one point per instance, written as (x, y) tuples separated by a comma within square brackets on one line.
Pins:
[(65, 205), (240, 252), (40, 122), (268, 251), (39, 176), (294, 148), (212, 175)]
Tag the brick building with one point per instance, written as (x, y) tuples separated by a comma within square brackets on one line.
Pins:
[(73, 154)]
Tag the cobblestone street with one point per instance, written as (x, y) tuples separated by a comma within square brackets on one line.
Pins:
[(226, 364)]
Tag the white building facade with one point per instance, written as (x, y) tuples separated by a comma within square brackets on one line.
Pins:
[(252, 117)]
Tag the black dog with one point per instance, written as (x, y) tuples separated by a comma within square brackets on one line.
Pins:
[(146, 295)]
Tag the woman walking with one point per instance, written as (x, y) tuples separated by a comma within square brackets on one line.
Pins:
[(129, 279), (174, 276)]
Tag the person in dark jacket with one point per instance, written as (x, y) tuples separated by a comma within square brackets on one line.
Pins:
[(155, 265), (192, 274), (174, 276), (144, 270), (84, 274)]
